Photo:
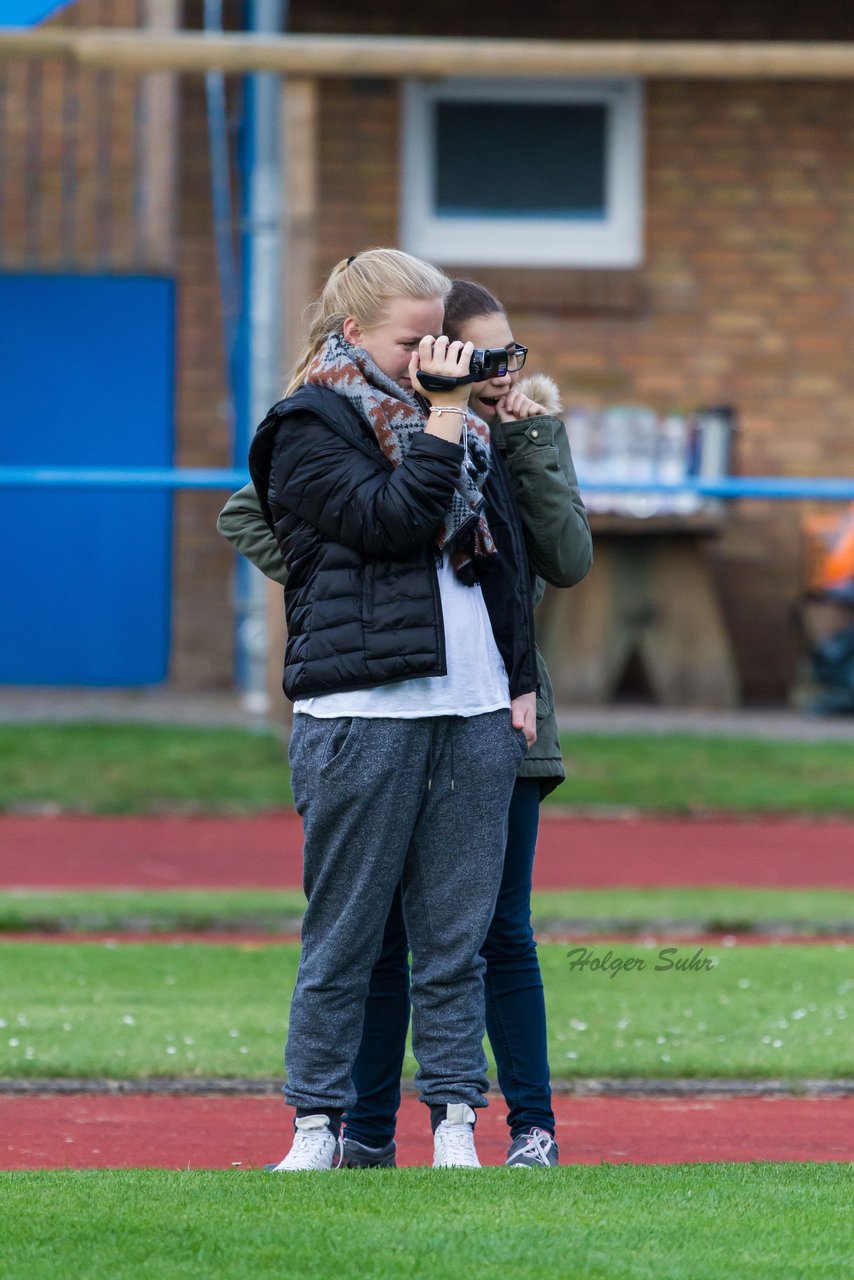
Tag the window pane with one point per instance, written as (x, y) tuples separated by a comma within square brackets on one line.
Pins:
[(524, 159)]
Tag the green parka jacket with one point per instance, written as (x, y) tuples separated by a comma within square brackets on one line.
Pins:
[(557, 538)]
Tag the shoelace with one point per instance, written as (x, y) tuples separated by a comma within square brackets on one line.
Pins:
[(538, 1146), (311, 1144), (458, 1139)]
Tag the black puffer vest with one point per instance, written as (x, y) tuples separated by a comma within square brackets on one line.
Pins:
[(362, 597)]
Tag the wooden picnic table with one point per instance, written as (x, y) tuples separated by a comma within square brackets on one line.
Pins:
[(650, 593)]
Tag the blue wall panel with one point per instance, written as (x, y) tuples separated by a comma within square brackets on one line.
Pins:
[(86, 379), (24, 13)]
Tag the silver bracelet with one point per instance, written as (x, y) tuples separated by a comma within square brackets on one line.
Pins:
[(446, 408)]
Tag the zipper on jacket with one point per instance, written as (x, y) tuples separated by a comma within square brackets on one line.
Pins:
[(437, 558), (368, 575)]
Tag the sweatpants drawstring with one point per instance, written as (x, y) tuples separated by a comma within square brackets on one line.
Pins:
[(431, 762)]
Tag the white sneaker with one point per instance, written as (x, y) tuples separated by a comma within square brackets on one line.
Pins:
[(315, 1147), (453, 1141)]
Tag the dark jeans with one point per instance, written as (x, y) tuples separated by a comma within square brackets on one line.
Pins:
[(515, 1007)]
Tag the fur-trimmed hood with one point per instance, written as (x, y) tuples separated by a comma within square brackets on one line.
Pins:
[(542, 390)]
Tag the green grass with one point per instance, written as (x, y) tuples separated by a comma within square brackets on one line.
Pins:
[(682, 773), (115, 768), (717, 909), (165, 910), (677, 1222), (154, 910), (102, 1009)]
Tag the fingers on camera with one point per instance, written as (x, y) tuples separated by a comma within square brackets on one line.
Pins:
[(455, 353), (461, 353)]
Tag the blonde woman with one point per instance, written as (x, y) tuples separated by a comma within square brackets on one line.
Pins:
[(410, 659)]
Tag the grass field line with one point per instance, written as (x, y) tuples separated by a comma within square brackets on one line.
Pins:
[(592, 1087)]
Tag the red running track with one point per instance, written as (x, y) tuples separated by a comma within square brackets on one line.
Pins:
[(573, 852), (247, 940), (84, 1132)]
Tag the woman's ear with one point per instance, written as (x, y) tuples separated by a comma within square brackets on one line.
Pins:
[(352, 332)]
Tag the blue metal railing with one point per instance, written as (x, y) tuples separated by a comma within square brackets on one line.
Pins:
[(230, 478), (122, 478)]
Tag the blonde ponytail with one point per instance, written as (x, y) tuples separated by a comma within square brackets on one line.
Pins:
[(362, 287)]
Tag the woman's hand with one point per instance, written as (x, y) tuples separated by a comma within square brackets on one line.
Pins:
[(515, 406), (523, 715), (451, 360)]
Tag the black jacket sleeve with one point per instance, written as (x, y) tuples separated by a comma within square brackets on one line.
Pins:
[(352, 497)]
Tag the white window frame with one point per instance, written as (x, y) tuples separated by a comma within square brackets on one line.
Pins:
[(615, 241)]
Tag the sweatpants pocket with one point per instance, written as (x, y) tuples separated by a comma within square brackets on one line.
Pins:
[(341, 745)]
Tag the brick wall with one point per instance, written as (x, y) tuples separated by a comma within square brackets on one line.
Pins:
[(745, 295), (67, 168), (70, 149), (202, 638)]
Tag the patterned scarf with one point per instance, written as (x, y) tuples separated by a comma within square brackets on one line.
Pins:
[(395, 416)]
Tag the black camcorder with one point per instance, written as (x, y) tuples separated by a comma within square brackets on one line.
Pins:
[(486, 363)]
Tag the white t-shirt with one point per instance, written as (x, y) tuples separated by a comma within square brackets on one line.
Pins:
[(476, 681)]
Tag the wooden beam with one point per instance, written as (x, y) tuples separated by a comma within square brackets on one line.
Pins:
[(157, 162), (298, 127), (399, 57)]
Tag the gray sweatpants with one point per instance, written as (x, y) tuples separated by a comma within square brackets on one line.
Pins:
[(419, 802)]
